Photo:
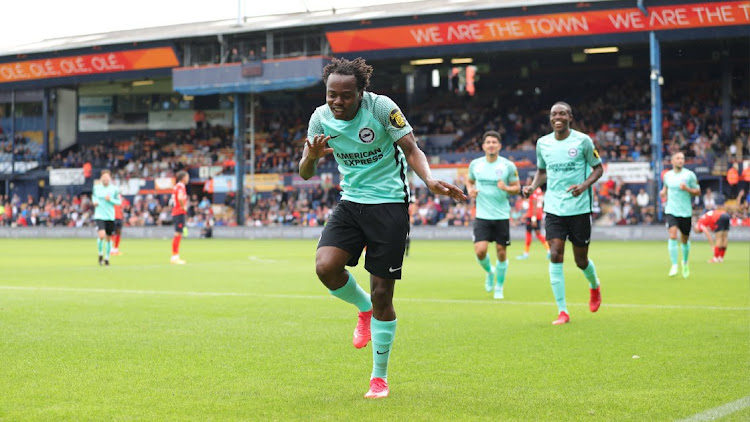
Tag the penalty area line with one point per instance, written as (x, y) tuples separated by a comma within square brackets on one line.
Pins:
[(719, 412), (414, 300)]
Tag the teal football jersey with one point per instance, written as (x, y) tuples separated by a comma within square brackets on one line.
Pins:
[(679, 202), (105, 210), (492, 202), (372, 165), (568, 162)]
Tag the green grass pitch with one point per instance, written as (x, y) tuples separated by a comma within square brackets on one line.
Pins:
[(246, 332)]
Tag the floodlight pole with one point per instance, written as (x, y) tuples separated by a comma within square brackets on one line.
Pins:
[(656, 119), (9, 185), (252, 146), (239, 156)]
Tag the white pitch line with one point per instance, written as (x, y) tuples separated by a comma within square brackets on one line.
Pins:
[(719, 412), (415, 300)]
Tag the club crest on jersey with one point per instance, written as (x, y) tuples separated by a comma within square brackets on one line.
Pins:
[(366, 135), (499, 172), (573, 152), (397, 118)]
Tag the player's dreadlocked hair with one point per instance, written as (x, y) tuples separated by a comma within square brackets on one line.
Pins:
[(357, 67)]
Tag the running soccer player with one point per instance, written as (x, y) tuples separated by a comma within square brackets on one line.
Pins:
[(680, 185), (491, 179), (372, 143), (563, 161), (717, 221), (118, 227), (104, 197), (533, 219), (179, 200)]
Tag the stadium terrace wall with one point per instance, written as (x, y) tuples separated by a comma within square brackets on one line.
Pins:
[(622, 233)]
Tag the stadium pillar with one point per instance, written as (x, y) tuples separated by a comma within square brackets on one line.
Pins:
[(656, 120), (9, 187), (45, 124), (726, 100), (252, 147), (239, 156)]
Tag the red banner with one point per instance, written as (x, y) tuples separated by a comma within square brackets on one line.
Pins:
[(88, 64), (696, 15)]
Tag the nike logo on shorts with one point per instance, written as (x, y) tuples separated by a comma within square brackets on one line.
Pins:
[(378, 352), (393, 270)]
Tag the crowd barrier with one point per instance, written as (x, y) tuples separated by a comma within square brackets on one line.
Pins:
[(621, 233)]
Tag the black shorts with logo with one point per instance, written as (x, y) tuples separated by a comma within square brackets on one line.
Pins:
[(577, 228), (683, 223), (118, 224), (497, 231), (722, 224), (179, 222), (107, 225), (383, 228)]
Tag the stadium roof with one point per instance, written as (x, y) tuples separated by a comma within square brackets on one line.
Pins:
[(301, 18)]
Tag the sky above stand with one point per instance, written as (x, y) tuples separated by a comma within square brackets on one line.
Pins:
[(30, 21)]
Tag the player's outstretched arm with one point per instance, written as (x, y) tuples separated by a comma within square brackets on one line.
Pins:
[(418, 162), (540, 177), (315, 149)]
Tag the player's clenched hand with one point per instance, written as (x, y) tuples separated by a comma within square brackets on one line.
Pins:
[(576, 190), (683, 186), (444, 188), (318, 147), (526, 191), (473, 192)]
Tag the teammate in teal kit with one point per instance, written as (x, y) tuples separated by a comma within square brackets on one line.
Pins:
[(680, 185), (491, 179), (568, 161), (105, 197), (372, 143)]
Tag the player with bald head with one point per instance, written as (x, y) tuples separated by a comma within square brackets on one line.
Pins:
[(680, 185)]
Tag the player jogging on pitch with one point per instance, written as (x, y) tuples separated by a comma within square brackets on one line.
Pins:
[(564, 158), (680, 185), (372, 143), (179, 208), (104, 197), (492, 179)]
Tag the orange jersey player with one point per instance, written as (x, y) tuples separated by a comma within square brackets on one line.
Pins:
[(716, 221), (118, 226), (533, 218), (179, 200)]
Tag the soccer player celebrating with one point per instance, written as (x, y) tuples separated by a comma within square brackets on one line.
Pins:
[(491, 179), (680, 185), (179, 200), (717, 221), (105, 197), (372, 143), (563, 161), (533, 220)]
